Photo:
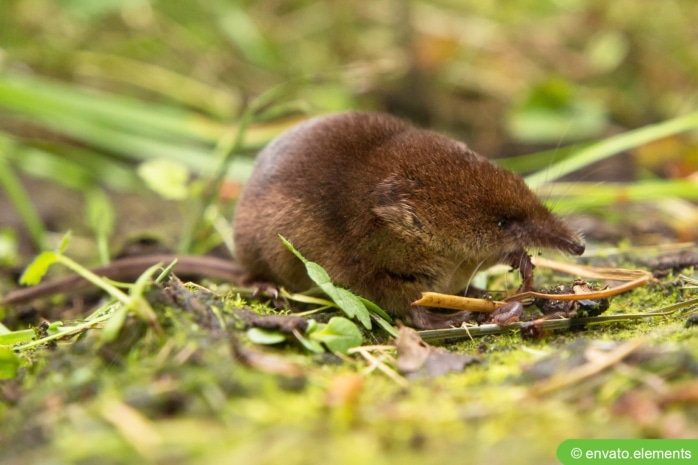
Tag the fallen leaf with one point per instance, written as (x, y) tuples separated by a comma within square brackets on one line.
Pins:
[(417, 359)]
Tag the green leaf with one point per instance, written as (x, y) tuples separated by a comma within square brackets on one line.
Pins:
[(64, 241), (345, 300), (145, 280), (390, 329), (55, 328), (339, 335), (99, 212), (100, 219), (312, 326), (290, 247), (318, 274), (310, 344), (376, 309), (612, 145), (24, 335), (9, 363), (166, 271), (166, 177), (265, 336), (27, 335), (351, 305), (114, 324), (380, 317), (38, 268)]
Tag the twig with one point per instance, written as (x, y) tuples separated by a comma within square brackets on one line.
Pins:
[(636, 277), (587, 370), (435, 299), (389, 372)]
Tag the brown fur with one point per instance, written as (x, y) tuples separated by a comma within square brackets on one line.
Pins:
[(389, 210)]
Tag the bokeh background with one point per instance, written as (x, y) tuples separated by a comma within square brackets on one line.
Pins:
[(88, 90), (489, 70)]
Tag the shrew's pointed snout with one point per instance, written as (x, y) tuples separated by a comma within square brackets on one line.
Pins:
[(576, 246), (566, 241), (563, 238), (556, 235)]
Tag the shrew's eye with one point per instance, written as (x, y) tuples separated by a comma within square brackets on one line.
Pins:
[(504, 222)]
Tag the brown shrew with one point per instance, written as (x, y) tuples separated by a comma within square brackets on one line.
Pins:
[(389, 210)]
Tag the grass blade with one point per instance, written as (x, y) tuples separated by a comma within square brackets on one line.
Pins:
[(612, 146)]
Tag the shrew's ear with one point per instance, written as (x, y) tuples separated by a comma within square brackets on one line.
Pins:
[(392, 204)]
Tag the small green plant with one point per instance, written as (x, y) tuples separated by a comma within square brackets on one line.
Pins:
[(132, 302), (345, 300), (339, 334), (352, 305), (111, 316)]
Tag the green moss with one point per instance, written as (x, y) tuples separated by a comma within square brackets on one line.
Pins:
[(198, 404)]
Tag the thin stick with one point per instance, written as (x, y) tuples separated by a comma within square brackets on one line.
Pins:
[(587, 370), (402, 382)]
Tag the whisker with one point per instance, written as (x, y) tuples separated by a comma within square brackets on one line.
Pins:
[(472, 275)]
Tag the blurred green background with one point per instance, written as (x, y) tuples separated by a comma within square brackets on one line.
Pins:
[(475, 67), (90, 88)]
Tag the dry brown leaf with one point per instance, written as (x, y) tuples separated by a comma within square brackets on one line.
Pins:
[(417, 359)]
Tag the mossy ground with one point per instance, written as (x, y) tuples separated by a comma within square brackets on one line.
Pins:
[(184, 397)]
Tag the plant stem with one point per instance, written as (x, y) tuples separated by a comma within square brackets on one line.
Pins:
[(68, 332), (94, 279)]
